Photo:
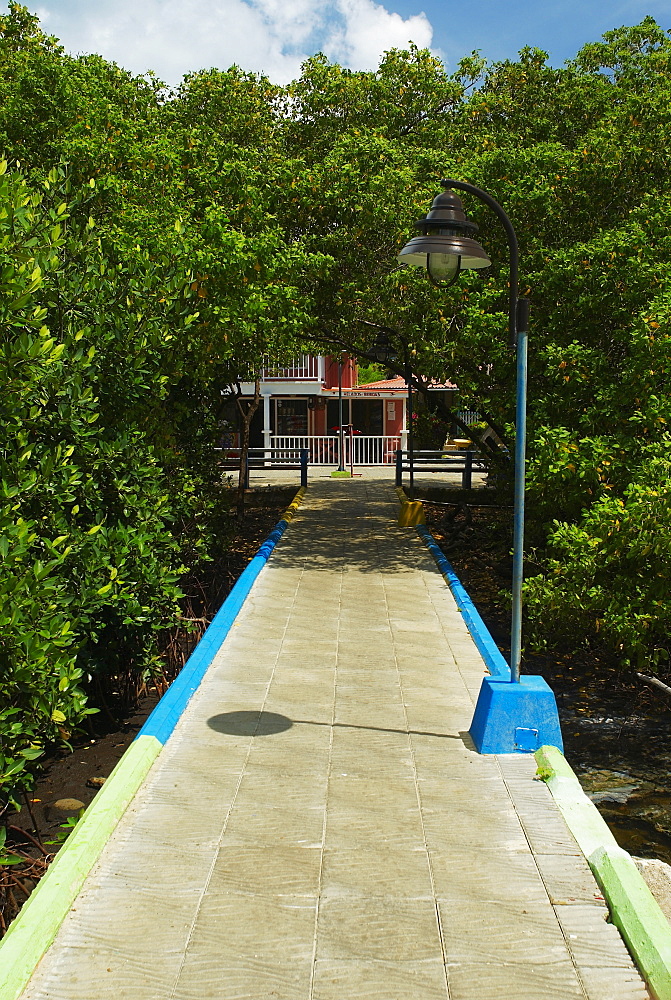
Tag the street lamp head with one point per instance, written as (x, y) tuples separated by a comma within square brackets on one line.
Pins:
[(446, 246), (382, 349)]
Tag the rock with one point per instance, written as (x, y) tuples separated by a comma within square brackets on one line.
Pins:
[(68, 805), (96, 782), (657, 875)]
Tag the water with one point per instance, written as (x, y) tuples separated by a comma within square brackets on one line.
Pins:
[(617, 732), (623, 759)]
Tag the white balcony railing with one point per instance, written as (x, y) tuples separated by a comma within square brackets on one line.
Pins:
[(304, 368)]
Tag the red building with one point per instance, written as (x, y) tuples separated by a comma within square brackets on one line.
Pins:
[(301, 406)]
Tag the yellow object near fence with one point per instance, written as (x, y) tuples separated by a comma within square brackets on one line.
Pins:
[(411, 513)]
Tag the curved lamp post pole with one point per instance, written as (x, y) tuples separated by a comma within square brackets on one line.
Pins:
[(383, 351), (521, 716), (446, 248)]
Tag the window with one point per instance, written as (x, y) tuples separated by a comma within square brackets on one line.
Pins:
[(291, 416)]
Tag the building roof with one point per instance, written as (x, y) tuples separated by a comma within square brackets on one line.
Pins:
[(386, 383), (398, 384)]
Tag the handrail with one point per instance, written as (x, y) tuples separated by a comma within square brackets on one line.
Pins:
[(300, 460), (464, 462), (324, 449)]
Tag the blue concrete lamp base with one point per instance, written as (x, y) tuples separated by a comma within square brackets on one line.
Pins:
[(515, 718)]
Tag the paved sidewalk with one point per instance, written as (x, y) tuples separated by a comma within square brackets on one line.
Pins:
[(319, 828), (318, 473)]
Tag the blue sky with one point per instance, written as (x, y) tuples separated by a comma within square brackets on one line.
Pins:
[(173, 37), (560, 27)]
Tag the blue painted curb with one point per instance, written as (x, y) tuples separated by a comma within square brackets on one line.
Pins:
[(491, 654), (34, 929), (165, 716), (509, 718)]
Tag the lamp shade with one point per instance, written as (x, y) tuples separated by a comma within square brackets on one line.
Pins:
[(446, 245), (382, 349)]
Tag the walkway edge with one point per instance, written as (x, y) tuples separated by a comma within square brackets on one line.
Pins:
[(36, 926), (633, 908), (165, 716), (491, 654)]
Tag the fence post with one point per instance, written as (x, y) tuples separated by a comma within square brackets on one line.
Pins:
[(399, 467), (467, 474), (304, 466)]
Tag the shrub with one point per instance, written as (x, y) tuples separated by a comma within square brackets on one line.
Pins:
[(607, 576)]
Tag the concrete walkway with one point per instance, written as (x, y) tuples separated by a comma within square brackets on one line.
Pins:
[(318, 473), (319, 828)]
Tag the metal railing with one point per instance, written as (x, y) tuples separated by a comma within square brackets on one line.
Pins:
[(464, 462), (468, 416), (321, 448), (294, 451), (262, 458), (359, 449)]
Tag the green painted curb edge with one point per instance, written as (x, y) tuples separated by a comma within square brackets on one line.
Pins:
[(33, 931), (35, 928), (633, 908)]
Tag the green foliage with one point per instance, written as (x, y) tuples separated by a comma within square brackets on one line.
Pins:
[(579, 158), (91, 560), (608, 574), (183, 236), (5, 857), (429, 429), (66, 828), (372, 372), (130, 296)]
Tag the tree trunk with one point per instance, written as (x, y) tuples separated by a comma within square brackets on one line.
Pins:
[(246, 411)]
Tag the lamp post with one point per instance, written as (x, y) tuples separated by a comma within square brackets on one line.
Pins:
[(411, 431), (383, 351), (341, 440), (445, 248)]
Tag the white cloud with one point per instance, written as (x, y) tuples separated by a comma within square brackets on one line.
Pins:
[(369, 29), (174, 37)]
